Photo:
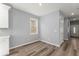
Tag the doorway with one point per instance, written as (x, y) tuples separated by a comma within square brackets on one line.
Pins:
[(74, 29)]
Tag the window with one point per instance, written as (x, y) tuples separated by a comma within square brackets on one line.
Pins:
[(33, 26)]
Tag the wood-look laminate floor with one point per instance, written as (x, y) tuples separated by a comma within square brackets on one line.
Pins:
[(68, 48)]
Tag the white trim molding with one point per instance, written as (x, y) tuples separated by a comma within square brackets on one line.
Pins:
[(51, 43), (58, 45), (23, 44)]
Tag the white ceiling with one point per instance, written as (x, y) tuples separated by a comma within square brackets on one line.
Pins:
[(34, 8)]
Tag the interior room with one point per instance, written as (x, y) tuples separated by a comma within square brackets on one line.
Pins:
[(39, 29)]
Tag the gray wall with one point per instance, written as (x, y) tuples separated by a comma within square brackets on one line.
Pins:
[(49, 28), (61, 27), (19, 28), (66, 29)]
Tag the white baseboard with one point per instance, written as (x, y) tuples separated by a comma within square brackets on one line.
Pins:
[(65, 39), (51, 43), (61, 42), (24, 44), (58, 45)]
